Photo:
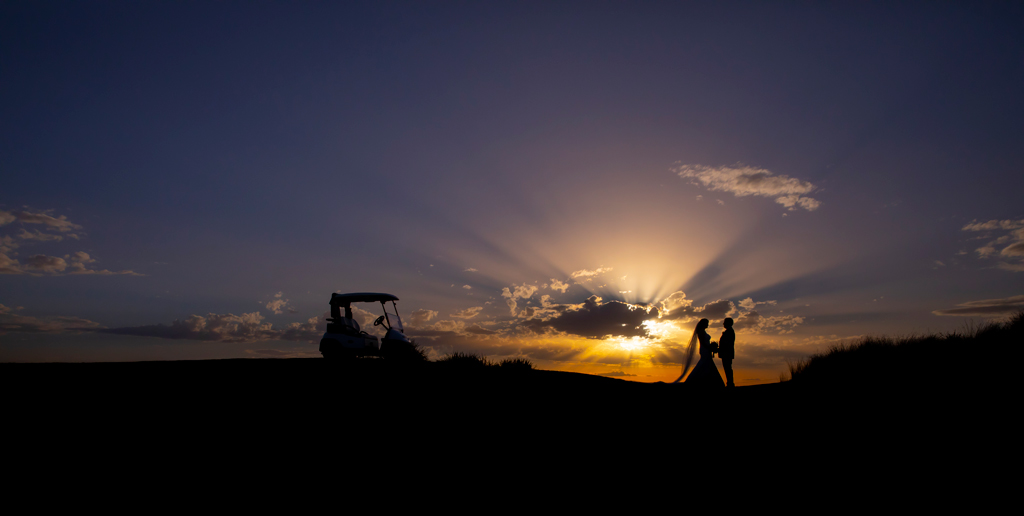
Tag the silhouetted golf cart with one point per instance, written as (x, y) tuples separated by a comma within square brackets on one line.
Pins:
[(344, 338)]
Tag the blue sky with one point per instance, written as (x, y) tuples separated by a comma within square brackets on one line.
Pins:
[(824, 171)]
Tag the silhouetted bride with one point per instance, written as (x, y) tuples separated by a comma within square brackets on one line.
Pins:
[(705, 373)]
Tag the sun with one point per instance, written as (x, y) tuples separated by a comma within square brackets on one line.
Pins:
[(631, 343), (659, 329)]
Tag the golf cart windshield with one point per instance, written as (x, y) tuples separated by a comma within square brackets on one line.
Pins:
[(391, 309)]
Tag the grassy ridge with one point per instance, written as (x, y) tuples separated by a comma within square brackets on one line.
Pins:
[(972, 354)]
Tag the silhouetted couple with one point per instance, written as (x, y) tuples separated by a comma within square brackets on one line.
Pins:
[(705, 374)]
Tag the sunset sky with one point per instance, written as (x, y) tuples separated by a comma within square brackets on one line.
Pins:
[(573, 182)]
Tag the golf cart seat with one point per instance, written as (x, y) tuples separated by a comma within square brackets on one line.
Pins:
[(344, 325), (350, 325)]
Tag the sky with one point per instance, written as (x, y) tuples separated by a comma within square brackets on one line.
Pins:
[(576, 183)]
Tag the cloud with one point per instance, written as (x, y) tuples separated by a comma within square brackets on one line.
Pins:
[(278, 305), (587, 275), (41, 263), (676, 306), (616, 373), (61, 223), (558, 285), (993, 225), (476, 329), (514, 292), (741, 181), (1011, 242), (469, 269), (247, 327), (11, 322), (749, 304), (467, 287), (468, 313), (9, 265), (986, 307), (39, 236), (594, 318), (268, 352), (753, 322), (1016, 249), (421, 317), (276, 353), (71, 264)]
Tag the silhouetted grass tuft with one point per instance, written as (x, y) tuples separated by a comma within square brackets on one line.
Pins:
[(516, 365), (913, 359), (465, 361)]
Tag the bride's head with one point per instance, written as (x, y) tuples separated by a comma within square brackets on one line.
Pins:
[(701, 325)]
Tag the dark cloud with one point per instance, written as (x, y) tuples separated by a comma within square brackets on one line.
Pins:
[(616, 373), (268, 352), (476, 329), (986, 307), (43, 263), (596, 319), (11, 322)]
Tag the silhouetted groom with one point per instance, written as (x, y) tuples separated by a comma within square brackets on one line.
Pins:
[(727, 350)]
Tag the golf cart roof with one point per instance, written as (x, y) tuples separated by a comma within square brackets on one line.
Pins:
[(360, 297)]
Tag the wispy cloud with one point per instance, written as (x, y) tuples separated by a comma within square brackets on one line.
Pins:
[(41, 237), (421, 317), (742, 181), (247, 327), (60, 223), (584, 275), (71, 264), (76, 263), (986, 307), (467, 313), (12, 322), (1005, 241)]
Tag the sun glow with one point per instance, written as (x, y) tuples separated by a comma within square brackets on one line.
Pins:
[(631, 343), (659, 329)]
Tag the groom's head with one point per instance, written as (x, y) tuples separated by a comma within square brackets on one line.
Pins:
[(727, 322)]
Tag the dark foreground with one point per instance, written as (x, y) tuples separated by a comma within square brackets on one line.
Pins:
[(373, 395), (316, 425)]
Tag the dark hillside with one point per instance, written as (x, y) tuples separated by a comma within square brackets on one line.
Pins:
[(930, 364)]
